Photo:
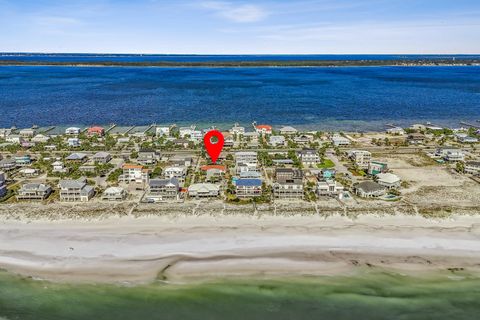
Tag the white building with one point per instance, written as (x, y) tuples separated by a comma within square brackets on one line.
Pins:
[(40, 138), (237, 130), (361, 158), (114, 194), (309, 157), (3, 185), (275, 141), (72, 131), (339, 141), (73, 142), (175, 172), (388, 180), (287, 130), (329, 187), (162, 131), (59, 167), (203, 190), (472, 167), (396, 131)]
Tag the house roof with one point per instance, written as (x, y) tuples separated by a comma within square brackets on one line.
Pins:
[(288, 129), (101, 154), (264, 126), (76, 156), (249, 182), (73, 184), (131, 166), (163, 182), (213, 166), (388, 177), (250, 174), (35, 186), (203, 187), (114, 190), (369, 186)]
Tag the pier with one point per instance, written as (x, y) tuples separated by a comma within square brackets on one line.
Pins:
[(470, 125)]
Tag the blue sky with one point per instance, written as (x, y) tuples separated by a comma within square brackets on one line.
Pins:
[(240, 27)]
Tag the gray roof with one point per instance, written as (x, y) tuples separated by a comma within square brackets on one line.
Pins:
[(35, 187), (473, 163), (163, 182), (369, 186), (101, 154), (73, 184), (77, 156)]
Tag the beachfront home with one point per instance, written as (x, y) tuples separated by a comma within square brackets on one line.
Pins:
[(96, 131), (329, 187), (7, 164), (287, 130), (276, 141), (73, 142), (339, 141), (309, 157), (34, 191), (203, 190), (182, 161), (376, 167), (3, 184), (75, 190), (237, 130), (465, 138), (472, 167), (263, 129), (72, 131), (77, 157), (250, 175), (40, 138), (369, 189), (147, 157), (289, 183), (388, 180), (361, 158), (162, 189), (27, 133), (134, 174), (114, 194), (162, 131), (248, 188), (102, 157), (15, 138), (396, 131)]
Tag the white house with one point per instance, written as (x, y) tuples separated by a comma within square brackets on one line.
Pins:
[(203, 190), (162, 131), (72, 131), (73, 142), (175, 172), (339, 141), (388, 180), (275, 141)]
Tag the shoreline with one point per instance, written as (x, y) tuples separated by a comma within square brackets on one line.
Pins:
[(185, 249)]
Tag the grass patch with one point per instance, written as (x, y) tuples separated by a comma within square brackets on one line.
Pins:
[(326, 164)]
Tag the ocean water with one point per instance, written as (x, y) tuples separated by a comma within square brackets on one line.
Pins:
[(344, 98), (370, 296)]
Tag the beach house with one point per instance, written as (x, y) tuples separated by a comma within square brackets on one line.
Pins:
[(134, 174), (27, 133), (72, 131), (309, 157), (114, 194), (102, 157), (162, 189), (339, 141), (40, 138), (248, 188), (287, 130), (23, 160), (147, 157), (361, 158), (162, 131), (73, 142), (75, 190), (276, 141), (178, 173), (329, 187), (59, 167), (376, 167), (34, 191), (369, 189), (288, 183), (237, 130), (472, 167), (8, 164), (96, 131), (77, 157), (388, 180), (263, 129), (203, 190)]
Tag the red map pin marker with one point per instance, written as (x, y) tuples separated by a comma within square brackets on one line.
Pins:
[(213, 149)]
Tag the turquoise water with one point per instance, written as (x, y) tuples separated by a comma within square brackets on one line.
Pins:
[(370, 296)]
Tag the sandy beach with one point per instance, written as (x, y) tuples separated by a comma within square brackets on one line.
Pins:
[(142, 249)]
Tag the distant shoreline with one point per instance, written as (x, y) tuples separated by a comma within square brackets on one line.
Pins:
[(238, 64)]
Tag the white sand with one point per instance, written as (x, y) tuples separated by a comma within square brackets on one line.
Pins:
[(139, 249)]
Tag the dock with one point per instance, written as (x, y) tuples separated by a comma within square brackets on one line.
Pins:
[(47, 130), (470, 125), (129, 130), (111, 127)]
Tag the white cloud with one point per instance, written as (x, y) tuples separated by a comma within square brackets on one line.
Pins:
[(237, 13)]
